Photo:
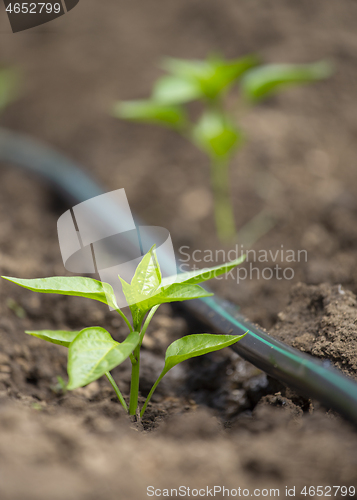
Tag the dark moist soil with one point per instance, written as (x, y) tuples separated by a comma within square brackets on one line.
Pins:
[(217, 420)]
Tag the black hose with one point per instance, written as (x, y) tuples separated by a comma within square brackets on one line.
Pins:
[(307, 375)]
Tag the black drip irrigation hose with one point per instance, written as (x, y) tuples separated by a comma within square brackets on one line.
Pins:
[(307, 375)]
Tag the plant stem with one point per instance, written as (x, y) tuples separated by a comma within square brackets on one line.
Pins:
[(134, 385), (117, 391), (125, 319), (150, 394), (223, 209), (147, 322), (135, 365)]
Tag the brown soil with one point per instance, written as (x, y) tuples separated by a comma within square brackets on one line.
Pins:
[(217, 420), (321, 320)]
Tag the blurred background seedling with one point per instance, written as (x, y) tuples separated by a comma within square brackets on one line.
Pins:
[(16, 308), (217, 132)]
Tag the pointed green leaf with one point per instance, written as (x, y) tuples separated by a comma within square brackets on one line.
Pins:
[(261, 82), (94, 352), (60, 337), (177, 292), (207, 78), (188, 347), (151, 112), (145, 282), (196, 345), (147, 277), (70, 285), (130, 296), (176, 90), (200, 275), (224, 73), (216, 135), (145, 292), (186, 68)]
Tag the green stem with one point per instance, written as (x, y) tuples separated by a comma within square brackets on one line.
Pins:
[(151, 393), (147, 322), (223, 209), (135, 365), (125, 319), (117, 391), (129, 326), (134, 385)]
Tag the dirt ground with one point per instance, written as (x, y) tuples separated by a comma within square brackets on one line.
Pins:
[(218, 420)]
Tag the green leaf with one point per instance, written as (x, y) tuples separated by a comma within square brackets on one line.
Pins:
[(94, 352), (200, 275), (186, 68), (177, 292), (60, 337), (216, 135), (188, 347), (145, 282), (147, 277), (211, 77), (196, 345), (70, 285), (9, 79), (263, 81), (176, 90), (151, 112), (145, 292), (224, 73)]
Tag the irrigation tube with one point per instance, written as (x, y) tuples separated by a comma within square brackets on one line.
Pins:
[(307, 375)]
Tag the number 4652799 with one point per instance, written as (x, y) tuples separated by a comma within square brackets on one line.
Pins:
[(33, 8), (328, 491)]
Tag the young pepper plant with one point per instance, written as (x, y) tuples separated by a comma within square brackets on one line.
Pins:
[(92, 352), (216, 132)]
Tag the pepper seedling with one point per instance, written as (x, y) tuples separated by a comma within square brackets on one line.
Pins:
[(92, 352), (215, 132)]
